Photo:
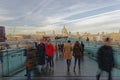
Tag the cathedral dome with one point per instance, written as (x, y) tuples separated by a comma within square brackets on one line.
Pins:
[(64, 32)]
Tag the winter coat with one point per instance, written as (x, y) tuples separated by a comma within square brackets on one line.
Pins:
[(82, 48), (77, 51), (41, 54), (49, 48), (30, 62), (67, 51), (105, 58)]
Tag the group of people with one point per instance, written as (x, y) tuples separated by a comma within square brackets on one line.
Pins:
[(38, 56), (69, 51), (43, 53)]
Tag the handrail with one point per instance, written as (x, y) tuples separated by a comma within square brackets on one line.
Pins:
[(9, 58)]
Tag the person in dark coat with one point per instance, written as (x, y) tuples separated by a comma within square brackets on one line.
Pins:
[(105, 59), (62, 46), (59, 49), (41, 53), (87, 39), (77, 53), (82, 49)]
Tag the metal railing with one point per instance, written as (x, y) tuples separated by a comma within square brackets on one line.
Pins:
[(92, 52), (12, 60)]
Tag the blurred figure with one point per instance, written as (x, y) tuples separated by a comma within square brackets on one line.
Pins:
[(36, 45), (30, 60), (62, 46), (59, 49), (41, 54), (67, 53), (29, 64), (82, 49), (49, 48), (8, 46), (105, 59), (77, 53), (56, 51), (36, 69), (87, 39)]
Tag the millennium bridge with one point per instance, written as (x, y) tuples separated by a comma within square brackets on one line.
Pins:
[(12, 64)]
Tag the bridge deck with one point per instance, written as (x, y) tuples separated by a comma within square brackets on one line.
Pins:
[(88, 72)]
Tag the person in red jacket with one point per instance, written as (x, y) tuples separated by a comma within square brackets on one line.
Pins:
[(49, 48)]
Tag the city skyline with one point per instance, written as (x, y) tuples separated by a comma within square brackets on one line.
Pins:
[(20, 16)]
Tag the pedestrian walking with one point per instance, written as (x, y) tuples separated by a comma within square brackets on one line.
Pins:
[(49, 48), (41, 54), (77, 53), (67, 53), (105, 59), (56, 50), (30, 60)]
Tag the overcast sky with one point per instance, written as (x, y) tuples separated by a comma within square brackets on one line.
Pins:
[(29, 16)]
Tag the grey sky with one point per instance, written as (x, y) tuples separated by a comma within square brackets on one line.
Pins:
[(29, 16)]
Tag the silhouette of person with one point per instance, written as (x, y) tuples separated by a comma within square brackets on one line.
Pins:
[(105, 59), (67, 53), (77, 53)]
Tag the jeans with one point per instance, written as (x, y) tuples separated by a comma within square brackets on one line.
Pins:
[(68, 62), (28, 74), (76, 61), (50, 61)]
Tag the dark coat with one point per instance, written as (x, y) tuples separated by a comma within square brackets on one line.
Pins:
[(41, 54), (77, 51), (105, 58), (82, 48)]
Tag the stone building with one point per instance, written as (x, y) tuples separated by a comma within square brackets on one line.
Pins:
[(115, 36), (77, 35), (38, 35)]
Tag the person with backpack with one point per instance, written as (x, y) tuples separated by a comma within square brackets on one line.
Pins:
[(77, 53), (105, 58)]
